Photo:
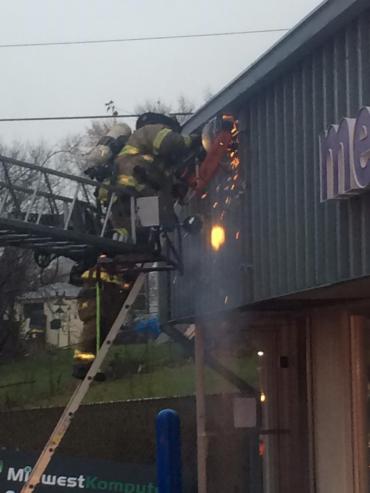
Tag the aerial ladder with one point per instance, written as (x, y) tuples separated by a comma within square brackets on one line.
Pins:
[(55, 213)]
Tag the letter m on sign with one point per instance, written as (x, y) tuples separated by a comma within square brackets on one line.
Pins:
[(336, 160)]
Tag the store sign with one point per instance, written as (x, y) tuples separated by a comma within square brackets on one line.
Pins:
[(75, 475), (345, 157)]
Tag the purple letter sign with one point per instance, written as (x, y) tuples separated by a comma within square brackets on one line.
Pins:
[(345, 157)]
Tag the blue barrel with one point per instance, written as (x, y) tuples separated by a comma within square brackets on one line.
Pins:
[(169, 477)]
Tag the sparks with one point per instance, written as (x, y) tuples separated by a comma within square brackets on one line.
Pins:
[(217, 237), (237, 235), (204, 196), (215, 205), (226, 300), (235, 162)]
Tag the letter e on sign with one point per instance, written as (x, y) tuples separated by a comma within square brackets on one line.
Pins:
[(361, 147)]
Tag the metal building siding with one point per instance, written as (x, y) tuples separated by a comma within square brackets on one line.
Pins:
[(298, 242), (289, 240)]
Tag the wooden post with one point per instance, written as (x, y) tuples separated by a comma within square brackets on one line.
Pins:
[(201, 410)]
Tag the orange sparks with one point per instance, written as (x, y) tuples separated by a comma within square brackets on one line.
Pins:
[(233, 186), (235, 162), (217, 237), (235, 177)]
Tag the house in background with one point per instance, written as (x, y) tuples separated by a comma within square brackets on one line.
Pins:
[(50, 315)]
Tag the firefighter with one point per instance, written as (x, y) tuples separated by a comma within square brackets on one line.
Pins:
[(100, 160), (147, 164), (99, 287)]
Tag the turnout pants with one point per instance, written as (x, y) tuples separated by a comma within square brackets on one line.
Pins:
[(112, 299)]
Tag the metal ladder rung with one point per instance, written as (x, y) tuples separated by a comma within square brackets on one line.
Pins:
[(34, 239), (14, 236), (72, 246), (51, 243)]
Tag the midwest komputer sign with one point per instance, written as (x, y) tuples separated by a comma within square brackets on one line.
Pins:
[(345, 157), (67, 474)]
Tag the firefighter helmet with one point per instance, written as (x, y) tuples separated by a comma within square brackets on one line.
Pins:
[(151, 118)]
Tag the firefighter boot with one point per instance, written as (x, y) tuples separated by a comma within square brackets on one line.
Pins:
[(81, 365)]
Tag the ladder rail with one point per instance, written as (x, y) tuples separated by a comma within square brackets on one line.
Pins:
[(74, 403), (54, 196), (72, 206), (34, 196), (52, 202), (5, 198), (73, 178), (10, 187), (108, 214)]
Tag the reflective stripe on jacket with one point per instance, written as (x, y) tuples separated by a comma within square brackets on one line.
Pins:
[(91, 275)]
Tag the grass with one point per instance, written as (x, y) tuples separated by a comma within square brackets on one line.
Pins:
[(136, 371)]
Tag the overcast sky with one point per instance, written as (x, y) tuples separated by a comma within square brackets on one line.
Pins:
[(76, 80)]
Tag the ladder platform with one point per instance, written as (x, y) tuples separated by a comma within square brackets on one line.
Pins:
[(53, 240), (57, 214)]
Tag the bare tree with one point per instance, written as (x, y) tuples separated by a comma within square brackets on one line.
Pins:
[(157, 106), (18, 271), (183, 105)]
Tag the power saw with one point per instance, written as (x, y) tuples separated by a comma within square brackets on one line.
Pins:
[(219, 140)]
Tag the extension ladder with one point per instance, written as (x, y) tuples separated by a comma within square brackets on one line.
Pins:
[(74, 403)]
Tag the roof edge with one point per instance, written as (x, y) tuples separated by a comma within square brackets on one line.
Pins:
[(317, 26)]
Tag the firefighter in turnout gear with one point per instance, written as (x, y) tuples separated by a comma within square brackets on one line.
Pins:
[(146, 164), (100, 300)]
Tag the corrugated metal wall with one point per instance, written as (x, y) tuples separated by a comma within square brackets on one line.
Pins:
[(298, 242), (289, 241)]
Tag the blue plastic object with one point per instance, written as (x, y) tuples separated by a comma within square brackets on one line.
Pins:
[(148, 326), (169, 476)]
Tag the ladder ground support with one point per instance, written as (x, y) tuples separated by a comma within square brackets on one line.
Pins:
[(73, 405)]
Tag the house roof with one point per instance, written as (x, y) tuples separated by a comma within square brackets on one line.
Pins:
[(56, 290), (309, 33)]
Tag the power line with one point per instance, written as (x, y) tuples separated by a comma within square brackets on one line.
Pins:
[(83, 117), (147, 38)]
